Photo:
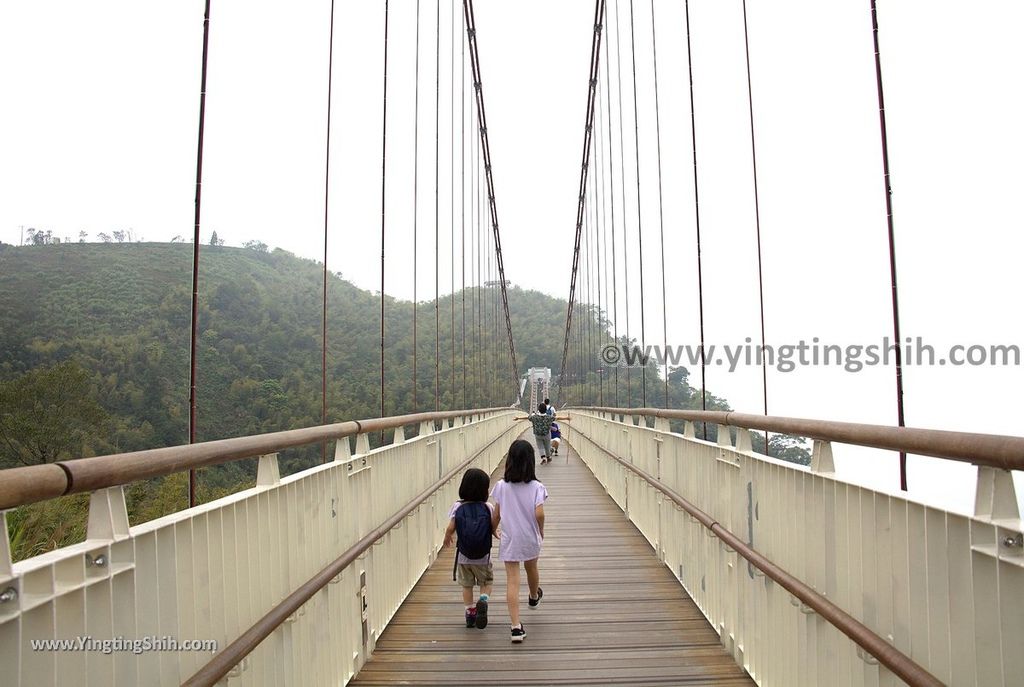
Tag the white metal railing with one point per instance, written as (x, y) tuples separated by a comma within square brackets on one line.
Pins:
[(943, 588), (212, 572)]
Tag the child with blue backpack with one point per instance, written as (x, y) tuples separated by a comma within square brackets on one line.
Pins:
[(471, 522)]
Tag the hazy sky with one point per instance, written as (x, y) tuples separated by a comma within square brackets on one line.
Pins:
[(99, 133)]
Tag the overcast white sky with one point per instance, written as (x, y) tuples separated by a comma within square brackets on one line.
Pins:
[(98, 132)]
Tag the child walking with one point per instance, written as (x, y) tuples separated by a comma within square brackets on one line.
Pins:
[(556, 438), (519, 508), (472, 519)]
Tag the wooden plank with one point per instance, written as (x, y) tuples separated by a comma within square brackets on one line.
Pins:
[(612, 613)]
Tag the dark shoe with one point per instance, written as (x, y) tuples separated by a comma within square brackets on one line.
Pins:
[(540, 595), (481, 614), (471, 617), (518, 634)]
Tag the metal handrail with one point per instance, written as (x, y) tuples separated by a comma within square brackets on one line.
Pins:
[(991, 450), (24, 485), (221, 664), (888, 655)]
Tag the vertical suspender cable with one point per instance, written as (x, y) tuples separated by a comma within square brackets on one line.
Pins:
[(622, 180), (488, 340), (661, 210), (415, 214), (494, 324), (604, 243), (639, 222), (195, 256), (892, 244), (594, 309), (462, 203), (757, 218), (473, 240), (495, 308), (585, 320), (595, 287), (599, 224), (587, 310), (437, 209), (453, 399), (327, 195), (479, 274), (383, 189), (480, 267), (611, 196), (696, 209)]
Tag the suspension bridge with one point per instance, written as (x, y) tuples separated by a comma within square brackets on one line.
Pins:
[(675, 552)]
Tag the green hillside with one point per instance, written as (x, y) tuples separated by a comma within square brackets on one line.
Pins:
[(117, 316)]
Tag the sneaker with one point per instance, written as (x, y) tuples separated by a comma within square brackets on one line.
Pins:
[(471, 617), (540, 595), (518, 634), (481, 614)]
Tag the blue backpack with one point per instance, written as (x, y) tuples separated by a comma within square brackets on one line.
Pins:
[(473, 527)]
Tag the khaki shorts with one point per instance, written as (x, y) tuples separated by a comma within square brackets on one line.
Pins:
[(473, 575)]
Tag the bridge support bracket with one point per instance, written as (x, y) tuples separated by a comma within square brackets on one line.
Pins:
[(822, 461), (996, 497), (108, 515), (342, 450), (724, 436), (743, 442), (268, 474)]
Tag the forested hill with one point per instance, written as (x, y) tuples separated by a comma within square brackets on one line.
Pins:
[(94, 345), (122, 312)]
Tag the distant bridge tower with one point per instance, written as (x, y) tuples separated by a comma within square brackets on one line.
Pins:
[(539, 379)]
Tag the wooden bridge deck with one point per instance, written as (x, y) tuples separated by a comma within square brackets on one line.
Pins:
[(611, 613)]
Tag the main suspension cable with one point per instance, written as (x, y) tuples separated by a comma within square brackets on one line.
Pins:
[(471, 34), (595, 59)]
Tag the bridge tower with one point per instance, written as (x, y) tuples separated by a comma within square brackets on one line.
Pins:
[(539, 379)]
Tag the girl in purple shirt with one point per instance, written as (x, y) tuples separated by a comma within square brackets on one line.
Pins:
[(519, 508)]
